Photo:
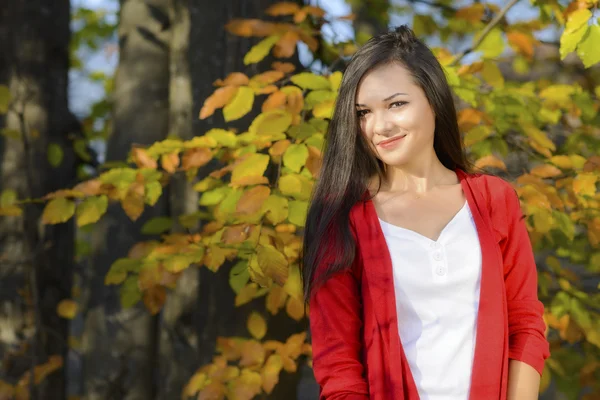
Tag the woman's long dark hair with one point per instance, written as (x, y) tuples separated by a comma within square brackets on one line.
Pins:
[(348, 161)]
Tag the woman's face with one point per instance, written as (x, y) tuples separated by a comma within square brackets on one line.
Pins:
[(390, 105)]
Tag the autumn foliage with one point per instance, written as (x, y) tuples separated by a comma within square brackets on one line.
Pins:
[(252, 208)]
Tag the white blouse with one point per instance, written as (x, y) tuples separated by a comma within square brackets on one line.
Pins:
[(437, 286)]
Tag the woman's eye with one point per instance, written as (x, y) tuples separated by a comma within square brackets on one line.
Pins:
[(398, 104), (361, 113)]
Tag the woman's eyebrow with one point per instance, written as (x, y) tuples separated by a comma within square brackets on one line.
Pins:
[(386, 99)]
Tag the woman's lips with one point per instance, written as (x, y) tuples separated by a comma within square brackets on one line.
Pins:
[(391, 142)]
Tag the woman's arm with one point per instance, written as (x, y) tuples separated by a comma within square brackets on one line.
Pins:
[(528, 347), (336, 323), (523, 381)]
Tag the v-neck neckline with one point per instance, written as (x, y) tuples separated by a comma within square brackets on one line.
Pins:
[(426, 239)]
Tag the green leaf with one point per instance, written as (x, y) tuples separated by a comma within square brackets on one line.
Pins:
[(308, 80), (302, 131), (130, 292), (223, 137), (58, 210), (275, 209), (152, 193), (297, 213), (477, 134), (10, 133), (240, 105), (5, 99), (239, 276), (8, 197), (570, 40), (157, 225), (295, 157), (253, 165), (260, 50), (55, 154), (493, 44), (588, 49), (91, 209), (318, 96), (119, 269)]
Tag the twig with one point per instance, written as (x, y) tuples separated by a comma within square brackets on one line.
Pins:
[(486, 31)]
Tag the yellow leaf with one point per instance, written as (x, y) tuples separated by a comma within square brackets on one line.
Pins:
[(308, 80), (588, 49), (257, 326), (282, 8), (584, 184), (546, 171), (492, 74), (245, 387), (142, 159), (91, 209), (218, 99), (275, 209), (295, 157), (253, 165), (222, 137), (133, 204), (252, 200), (260, 50), (240, 105), (58, 210), (67, 309), (492, 45), (570, 40), (246, 294), (11, 211), (577, 19), (521, 42), (324, 109), (290, 185), (273, 264), (195, 384), (275, 299), (335, 80), (154, 299), (270, 372), (558, 94), (539, 137), (490, 161), (297, 212), (271, 122), (295, 308)]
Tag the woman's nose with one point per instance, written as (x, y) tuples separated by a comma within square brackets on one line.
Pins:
[(381, 124)]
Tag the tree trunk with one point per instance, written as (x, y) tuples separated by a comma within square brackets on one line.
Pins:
[(36, 261), (120, 345)]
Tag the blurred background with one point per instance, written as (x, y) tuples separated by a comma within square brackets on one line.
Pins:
[(157, 156)]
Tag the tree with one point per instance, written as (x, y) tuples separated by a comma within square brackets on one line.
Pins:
[(37, 134)]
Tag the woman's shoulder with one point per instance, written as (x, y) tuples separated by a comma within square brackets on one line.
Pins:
[(495, 188)]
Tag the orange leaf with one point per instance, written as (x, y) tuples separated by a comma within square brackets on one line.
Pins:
[(521, 42), (154, 299), (313, 163), (283, 8), (133, 203), (218, 99), (142, 159), (300, 16), (268, 77), (284, 67), (293, 345), (546, 171), (253, 199), (252, 354), (64, 193), (250, 180), (213, 391), (472, 13), (233, 79), (275, 100), (349, 17), (235, 234), (490, 161), (194, 158), (314, 11), (170, 161), (468, 119), (90, 187), (266, 90), (279, 148), (311, 42), (250, 27), (286, 45), (295, 102)]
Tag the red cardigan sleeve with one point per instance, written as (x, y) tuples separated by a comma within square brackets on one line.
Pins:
[(526, 327), (336, 324)]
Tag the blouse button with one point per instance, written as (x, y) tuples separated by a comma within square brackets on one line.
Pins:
[(437, 256), (440, 270), (434, 245)]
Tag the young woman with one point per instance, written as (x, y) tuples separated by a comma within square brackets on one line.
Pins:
[(419, 272)]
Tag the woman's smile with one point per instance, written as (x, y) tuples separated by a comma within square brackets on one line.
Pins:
[(391, 143)]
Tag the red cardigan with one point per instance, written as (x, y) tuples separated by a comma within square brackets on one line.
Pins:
[(357, 353)]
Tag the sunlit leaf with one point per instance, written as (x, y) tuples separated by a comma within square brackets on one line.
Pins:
[(295, 157), (91, 209), (218, 99), (58, 210), (252, 200), (493, 44), (297, 212), (253, 165), (270, 372), (588, 48), (257, 326), (240, 105), (260, 50), (308, 80), (67, 309)]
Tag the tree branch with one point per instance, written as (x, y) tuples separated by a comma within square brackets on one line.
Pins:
[(486, 31)]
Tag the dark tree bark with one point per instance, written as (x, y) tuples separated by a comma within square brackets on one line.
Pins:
[(36, 261), (121, 345)]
